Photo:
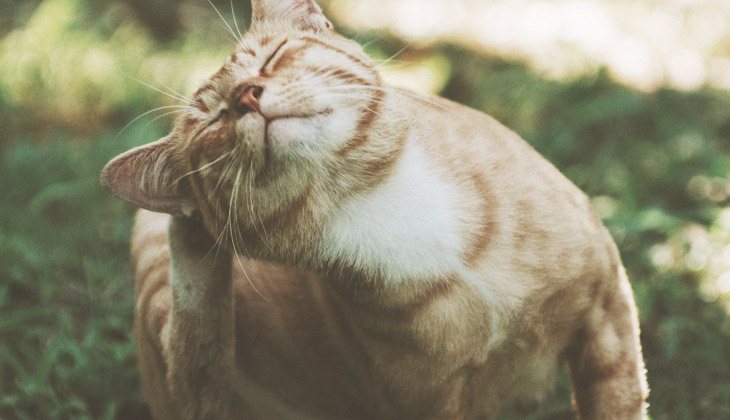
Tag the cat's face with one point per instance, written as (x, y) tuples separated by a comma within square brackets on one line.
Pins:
[(294, 96), (288, 92)]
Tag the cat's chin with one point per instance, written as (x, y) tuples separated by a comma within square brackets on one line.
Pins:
[(307, 137), (285, 134)]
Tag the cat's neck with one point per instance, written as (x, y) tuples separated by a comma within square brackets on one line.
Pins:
[(405, 228)]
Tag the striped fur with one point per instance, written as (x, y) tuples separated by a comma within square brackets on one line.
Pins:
[(342, 249)]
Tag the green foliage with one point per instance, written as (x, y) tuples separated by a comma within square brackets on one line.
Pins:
[(657, 165), (66, 294)]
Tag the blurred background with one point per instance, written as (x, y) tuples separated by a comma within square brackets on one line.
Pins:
[(629, 98)]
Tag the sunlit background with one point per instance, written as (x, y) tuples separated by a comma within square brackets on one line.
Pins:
[(644, 44), (629, 98)]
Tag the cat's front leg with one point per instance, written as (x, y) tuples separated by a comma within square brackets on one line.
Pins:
[(605, 360), (198, 339)]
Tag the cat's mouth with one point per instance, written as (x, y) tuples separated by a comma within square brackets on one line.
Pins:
[(288, 122), (281, 133), (296, 116)]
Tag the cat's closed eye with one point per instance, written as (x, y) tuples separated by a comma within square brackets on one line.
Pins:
[(266, 68)]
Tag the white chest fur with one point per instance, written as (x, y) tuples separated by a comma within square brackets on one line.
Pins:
[(408, 227)]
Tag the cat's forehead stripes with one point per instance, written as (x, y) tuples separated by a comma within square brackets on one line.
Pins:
[(329, 65), (308, 50), (355, 59), (349, 77)]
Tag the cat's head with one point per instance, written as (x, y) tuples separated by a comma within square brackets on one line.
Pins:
[(291, 101)]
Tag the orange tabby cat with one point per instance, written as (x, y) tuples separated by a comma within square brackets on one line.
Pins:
[(341, 249)]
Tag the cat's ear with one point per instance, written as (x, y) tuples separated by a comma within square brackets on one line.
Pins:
[(303, 14), (149, 177)]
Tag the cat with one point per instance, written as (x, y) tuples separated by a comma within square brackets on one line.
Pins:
[(315, 244)]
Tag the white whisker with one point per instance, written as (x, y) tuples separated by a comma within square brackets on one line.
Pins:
[(204, 167), (392, 57), (369, 43), (253, 214), (235, 21), (224, 22), (176, 96), (129, 124), (234, 201), (179, 95), (162, 116)]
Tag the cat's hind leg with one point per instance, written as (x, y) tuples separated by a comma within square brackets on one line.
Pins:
[(605, 359)]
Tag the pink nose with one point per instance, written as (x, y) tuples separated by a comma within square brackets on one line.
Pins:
[(248, 99)]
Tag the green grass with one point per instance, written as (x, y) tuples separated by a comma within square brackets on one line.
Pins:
[(66, 293)]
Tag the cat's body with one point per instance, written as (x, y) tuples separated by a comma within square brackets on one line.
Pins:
[(430, 265)]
